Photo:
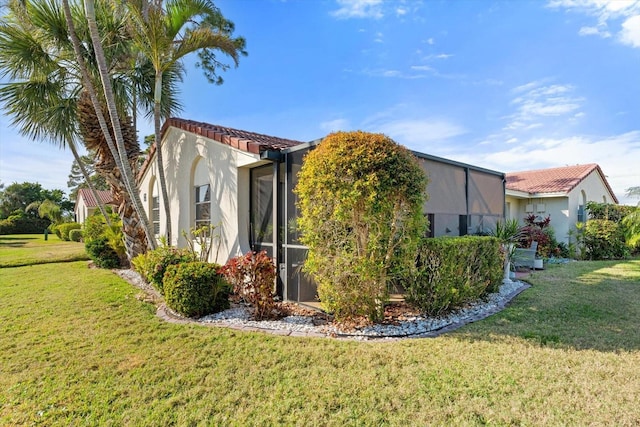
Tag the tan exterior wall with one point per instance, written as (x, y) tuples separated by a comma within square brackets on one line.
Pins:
[(190, 160)]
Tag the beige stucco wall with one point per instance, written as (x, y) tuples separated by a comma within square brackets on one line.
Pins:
[(555, 206), (563, 208), (190, 160), (81, 210)]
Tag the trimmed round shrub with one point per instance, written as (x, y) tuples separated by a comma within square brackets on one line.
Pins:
[(195, 289), (102, 253), (66, 228), (75, 235), (153, 264), (360, 200)]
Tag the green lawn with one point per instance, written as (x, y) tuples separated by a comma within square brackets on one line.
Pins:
[(78, 348), (29, 249)]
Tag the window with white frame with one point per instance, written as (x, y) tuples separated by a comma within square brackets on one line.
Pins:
[(203, 205), (155, 214)]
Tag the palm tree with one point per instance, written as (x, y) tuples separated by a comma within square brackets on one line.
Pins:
[(47, 209), (37, 105), (47, 81), (164, 37), (121, 153), (632, 221), (633, 192)]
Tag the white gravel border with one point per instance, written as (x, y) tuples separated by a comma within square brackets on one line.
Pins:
[(415, 327)]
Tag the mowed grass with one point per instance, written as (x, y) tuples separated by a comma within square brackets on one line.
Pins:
[(28, 249), (78, 348)]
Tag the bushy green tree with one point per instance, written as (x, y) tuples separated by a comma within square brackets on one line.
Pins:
[(360, 199), (77, 179), (18, 196), (166, 32), (606, 233)]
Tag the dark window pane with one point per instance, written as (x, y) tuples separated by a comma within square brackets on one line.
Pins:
[(262, 205)]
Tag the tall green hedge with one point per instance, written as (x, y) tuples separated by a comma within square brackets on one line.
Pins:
[(453, 271), (604, 239), (22, 224), (360, 198)]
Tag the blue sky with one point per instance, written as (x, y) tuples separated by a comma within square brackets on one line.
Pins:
[(508, 86)]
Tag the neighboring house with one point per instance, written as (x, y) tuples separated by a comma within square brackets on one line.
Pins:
[(86, 204), (243, 182), (560, 192)]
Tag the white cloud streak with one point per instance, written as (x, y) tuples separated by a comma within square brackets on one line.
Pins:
[(416, 132), (335, 125), (535, 102), (358, 9)]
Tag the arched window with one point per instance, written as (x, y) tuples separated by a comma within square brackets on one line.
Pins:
[(202, 193), (154, 205), (582, 215)]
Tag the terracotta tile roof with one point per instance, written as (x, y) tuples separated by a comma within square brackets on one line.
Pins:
[(250, 142), (246, 141), (553, 180), (105, 196)]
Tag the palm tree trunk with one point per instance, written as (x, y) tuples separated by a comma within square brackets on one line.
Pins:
[(132, 229), (157, 97), (120, 154), (114, 152)]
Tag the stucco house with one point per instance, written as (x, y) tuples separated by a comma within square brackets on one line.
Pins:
[(243, 182), (560, 192), (86, 204)]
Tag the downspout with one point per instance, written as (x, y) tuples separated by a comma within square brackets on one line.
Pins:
[(466, 196), (504, 192)]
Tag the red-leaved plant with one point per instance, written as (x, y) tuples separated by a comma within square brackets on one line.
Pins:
[(253, 276), (537, 229)]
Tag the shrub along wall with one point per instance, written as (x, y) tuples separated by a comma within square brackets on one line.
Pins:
[(195, 288), (604, 239), (153, 264), (453, 271), (603, 236)]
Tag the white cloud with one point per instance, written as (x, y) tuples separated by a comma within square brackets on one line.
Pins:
[(381, 72), (421, 68), (401, 11), (608, 14), (417, 132), (358, 9), (527, 86), (335, 125), (379, 38), (437, 56), (594, 31), (630, 33), (537, 101), (430, 41)]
